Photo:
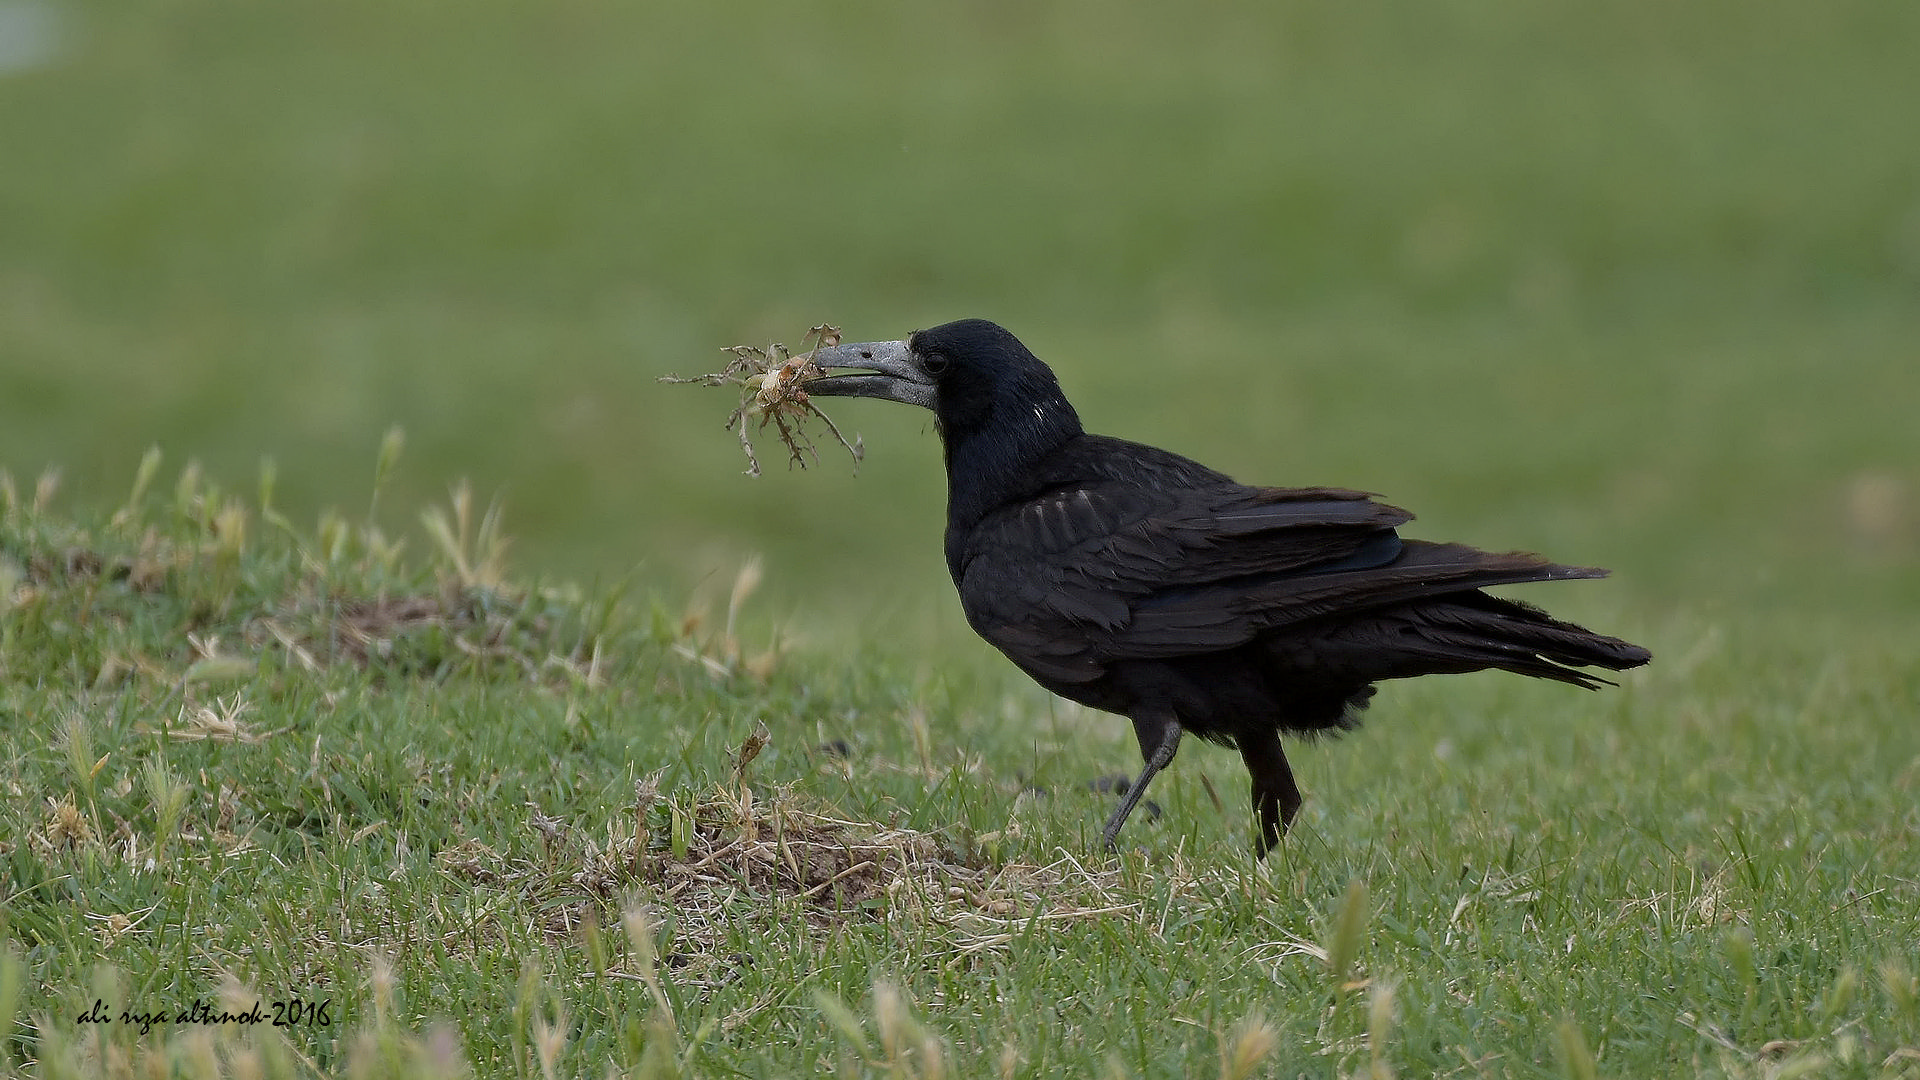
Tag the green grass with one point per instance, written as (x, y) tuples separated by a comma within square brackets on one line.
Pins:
[(497, 825), (1626, 283)]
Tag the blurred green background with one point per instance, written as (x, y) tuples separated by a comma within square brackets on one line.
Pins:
[(1633, 283)]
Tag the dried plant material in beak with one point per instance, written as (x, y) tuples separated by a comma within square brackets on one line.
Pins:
[(772, 387)]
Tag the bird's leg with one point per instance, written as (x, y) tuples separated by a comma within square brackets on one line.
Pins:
[(1159, 735), (1276, 798)]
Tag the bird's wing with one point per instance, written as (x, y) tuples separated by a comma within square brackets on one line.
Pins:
[(1092, 572), (1174, 622)]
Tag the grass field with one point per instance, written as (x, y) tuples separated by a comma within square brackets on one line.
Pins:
[(1630, 284), (499, 824)]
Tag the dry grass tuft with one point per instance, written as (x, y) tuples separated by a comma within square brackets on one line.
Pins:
[(720, 651), (144, 572), (66, 826), (734, 857), (728, 846), (772, 387), (367, 627), (418, 631), (219, 722)]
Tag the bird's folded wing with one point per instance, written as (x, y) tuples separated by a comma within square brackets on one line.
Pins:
[(1090, 573), (1163, 624)]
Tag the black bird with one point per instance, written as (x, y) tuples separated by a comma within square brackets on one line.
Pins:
[(1136, 581)]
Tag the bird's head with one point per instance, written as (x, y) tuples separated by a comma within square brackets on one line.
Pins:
[(975, 376)]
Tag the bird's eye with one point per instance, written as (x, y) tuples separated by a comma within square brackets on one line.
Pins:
[(935, 363)]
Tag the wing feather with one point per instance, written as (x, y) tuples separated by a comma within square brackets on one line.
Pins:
[(1084, 574)]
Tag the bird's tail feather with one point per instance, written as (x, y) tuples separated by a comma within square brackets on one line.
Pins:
[(1422, 614), (1472, 631), (1422, 570)]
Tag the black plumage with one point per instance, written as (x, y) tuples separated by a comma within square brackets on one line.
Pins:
[(1136, 581)]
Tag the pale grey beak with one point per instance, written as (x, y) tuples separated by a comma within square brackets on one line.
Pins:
[(884, 369)]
